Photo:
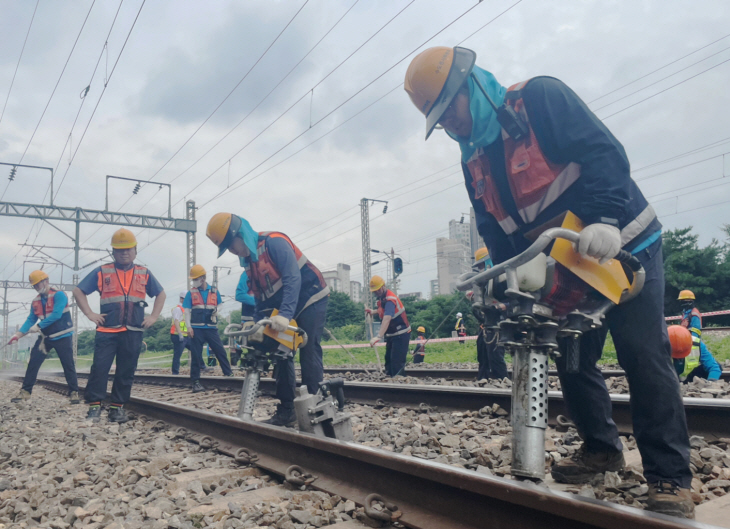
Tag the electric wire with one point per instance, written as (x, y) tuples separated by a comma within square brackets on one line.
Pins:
[(57, 83), (20, 58), (231, 92)]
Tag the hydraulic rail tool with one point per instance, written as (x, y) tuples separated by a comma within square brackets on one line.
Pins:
[(538, 306)]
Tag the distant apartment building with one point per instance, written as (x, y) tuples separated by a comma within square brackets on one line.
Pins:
[(452, 260), (434, 288), (356, 291)]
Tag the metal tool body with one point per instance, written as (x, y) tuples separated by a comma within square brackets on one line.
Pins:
[(260, 352), (527, 327), (322, 414)]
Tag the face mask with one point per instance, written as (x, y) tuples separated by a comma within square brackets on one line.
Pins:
[(197, 283), (44, 290)]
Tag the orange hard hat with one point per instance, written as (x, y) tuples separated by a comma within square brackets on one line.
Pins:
[(36, 276), (376, 283), (686, 294), (197, 271), (434, 77), (681, 340), (123, 239)]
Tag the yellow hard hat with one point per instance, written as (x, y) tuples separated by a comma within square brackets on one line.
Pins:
[(421, 329), (222, 228), (433, 79), (376, 283), (686, 294), (36, 276), (123, 239), (197, 271), (481, 254)]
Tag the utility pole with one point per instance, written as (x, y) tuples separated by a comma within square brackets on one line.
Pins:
[(190, 250), (366, 266)]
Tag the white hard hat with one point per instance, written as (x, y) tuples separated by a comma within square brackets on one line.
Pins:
[(183, 293), (458, 314)]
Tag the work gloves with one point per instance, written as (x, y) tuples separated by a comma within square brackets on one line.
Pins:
[(15, 338), (601, 241), (279, 323), (374, 340), (35, 328)]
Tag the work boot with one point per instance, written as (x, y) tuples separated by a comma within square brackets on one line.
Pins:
[(117, 414), (74, 397), (94, 412), (667, 498), (198, 387), (22, 395), (283, 417), (583, 466)]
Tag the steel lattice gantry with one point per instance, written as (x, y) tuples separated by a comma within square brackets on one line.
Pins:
[(80, 215)]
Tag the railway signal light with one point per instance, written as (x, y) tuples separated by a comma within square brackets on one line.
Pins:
[(398, 266)]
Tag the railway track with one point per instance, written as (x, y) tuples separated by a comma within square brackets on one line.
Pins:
[(427, 494), (705, 417)]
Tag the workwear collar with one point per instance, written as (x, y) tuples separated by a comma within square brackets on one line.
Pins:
[(485, 128)]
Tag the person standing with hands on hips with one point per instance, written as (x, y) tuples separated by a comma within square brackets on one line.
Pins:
[(120, 323)]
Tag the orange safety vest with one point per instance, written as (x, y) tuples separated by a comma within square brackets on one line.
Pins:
[(399, 322), (534, 181), (183, 328), (264, 280), (420, 345), (59, 327), (203, 310), (122, 310)]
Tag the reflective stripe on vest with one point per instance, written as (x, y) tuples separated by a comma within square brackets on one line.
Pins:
[(400, 311), (63, 325), (122, 305), (534, 181), (183, 328), (264, 279), (203, 310)]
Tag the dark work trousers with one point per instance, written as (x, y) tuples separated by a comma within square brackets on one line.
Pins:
[(65, 352), (213, 339), (490, 356), (310, 356), (396, 352), (418, 358), (125, 346), (177, 350), (642, 345)]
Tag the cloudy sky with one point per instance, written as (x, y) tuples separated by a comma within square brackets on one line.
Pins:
[(289, 112)]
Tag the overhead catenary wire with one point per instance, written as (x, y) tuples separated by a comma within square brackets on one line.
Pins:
[(20, 58)]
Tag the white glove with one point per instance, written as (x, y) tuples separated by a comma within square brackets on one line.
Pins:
[(35, 328), (601, 241), (374, 340), (279, 323)]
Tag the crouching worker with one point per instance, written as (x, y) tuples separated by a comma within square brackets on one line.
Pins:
[(50, 309), (279, 277), (120, 323), (700, 362)]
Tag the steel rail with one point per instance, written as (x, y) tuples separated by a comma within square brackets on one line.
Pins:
[(467, 374), (429, 495), (706, 417)]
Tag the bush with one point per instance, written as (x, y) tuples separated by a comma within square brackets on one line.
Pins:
[(349, 333)]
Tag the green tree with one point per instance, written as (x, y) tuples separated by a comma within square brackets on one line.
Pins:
[(341, 311), (440, 310)]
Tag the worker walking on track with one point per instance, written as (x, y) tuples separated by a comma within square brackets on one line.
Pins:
[(120, 323), (248, 307), (51, 312), (201, 317), (460, 328), (529, 154), (178, 334), (394, 327), (279, 277), (700, 362), (419, 353)]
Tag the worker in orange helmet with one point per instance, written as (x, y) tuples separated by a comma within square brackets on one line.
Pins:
[(530, 153), (120, 323)]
